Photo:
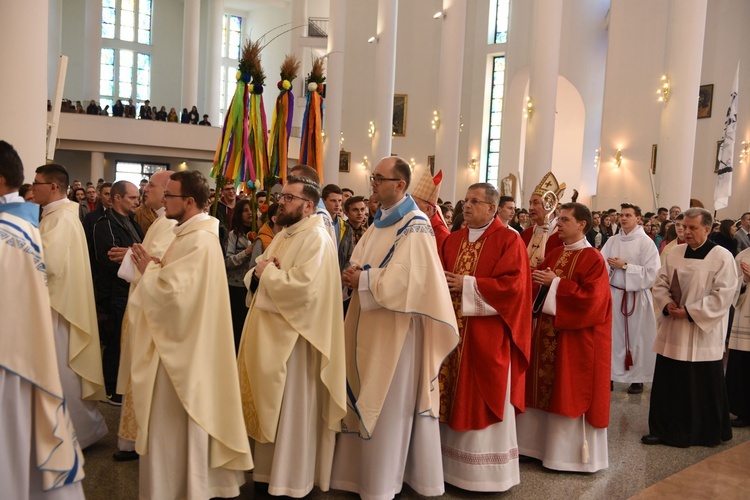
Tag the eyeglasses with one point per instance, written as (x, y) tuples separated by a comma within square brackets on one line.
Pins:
[(378, 179), (474, 201), (288, 198)]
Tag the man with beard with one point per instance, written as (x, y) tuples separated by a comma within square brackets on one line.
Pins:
[(400, 327), (114, 234), (539, 238), (291, 357), (311, 174), (186, 392)]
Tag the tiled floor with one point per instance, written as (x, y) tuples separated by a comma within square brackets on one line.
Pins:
[(633, 467)]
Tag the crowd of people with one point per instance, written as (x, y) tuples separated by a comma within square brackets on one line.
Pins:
[(359, 342), (129, 109)]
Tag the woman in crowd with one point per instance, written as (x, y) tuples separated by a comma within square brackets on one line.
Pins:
[(724, 237), (238, 263), (662, 233), (185, 117), (194, 116), (447, 214), (607, 225), (161, 115), (172, 116)]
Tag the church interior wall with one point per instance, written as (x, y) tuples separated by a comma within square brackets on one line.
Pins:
[(567, 149), (727, 41), (612, 65), (631, 113)]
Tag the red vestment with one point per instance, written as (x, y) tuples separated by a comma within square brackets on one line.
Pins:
[(440, 229), (474, 378), (569, 370)]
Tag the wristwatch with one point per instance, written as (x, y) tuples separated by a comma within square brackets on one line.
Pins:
[(625, 267)]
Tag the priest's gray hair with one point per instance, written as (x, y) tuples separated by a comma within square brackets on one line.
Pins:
[(706, 217), (490, 192)]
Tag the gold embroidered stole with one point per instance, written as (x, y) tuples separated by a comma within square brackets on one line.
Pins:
[(466, 264), (544, 344)]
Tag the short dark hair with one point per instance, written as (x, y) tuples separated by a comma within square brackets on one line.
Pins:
[(743, 215), (54, 172), (305, 171), (261, 193), (11, 166), (662, 210), (119, 188), (581, 213), (505, 199), (194, 185), (612, 211), (272, 209), (706, 217), (352, 200), (104, 185), (23, 190), (331, 188), (347, 190), (310, 189), (635, 208), (490, 192), (403, 170)]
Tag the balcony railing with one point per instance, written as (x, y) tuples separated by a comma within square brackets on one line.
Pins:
[(317, 27)]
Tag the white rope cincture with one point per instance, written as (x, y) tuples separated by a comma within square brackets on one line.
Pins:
[(585, 447)]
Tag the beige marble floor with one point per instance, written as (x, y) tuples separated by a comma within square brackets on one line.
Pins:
[(633, 467)]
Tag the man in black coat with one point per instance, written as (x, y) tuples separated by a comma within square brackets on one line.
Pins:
[(114, 233)]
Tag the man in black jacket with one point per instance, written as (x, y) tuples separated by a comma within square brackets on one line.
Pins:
[(114, 233)]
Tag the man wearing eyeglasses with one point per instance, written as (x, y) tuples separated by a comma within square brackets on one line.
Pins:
[(567, 383), (399, 326), (71, 293), (291, 357), (482, 381), (311, 174), (186, 393)]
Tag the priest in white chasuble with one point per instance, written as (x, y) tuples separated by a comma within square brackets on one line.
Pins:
[(567, 383), (400, 326), (291, 357), (71, 293), (482, 382), (693, 292), (632, 263), (39, 455), (186, 392), (157, 240)]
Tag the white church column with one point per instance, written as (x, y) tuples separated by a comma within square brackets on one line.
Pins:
[(190, 43), (97, 166), (25, 83), (334, 89), (685, 30), (545, 62), (213, 79), (385, 78), (92, 51), (449, 96), (54, 45), (299, 25)]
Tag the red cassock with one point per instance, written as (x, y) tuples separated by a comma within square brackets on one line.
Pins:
[(474, 378), (440, 229), (553, 240), (570, 363)]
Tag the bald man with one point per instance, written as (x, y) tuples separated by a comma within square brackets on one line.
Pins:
[(146, 214)]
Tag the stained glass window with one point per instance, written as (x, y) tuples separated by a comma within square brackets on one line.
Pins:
[(143, 90), (107, 73), (231, 37), (496, 118), (144, 22), (500, 11), (109, 18)]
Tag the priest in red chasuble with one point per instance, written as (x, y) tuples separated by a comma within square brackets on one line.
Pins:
[(541, 237), (482, 381), (567, 386), (426, 197)]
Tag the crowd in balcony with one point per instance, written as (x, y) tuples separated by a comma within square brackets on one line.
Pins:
[(129, 109)]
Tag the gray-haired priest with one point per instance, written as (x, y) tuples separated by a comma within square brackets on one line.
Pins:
[(693, 290)]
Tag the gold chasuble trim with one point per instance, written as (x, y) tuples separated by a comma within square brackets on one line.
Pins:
[(466, 264), (544, 343)]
